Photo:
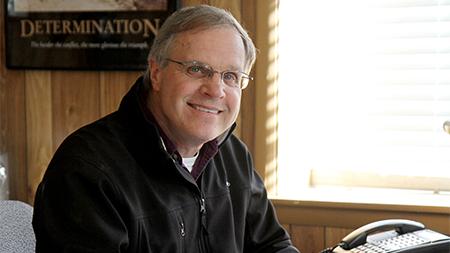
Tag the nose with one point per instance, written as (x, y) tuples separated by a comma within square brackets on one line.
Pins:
[(213, 86)]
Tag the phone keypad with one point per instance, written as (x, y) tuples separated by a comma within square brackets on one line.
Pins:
[(391, 244)]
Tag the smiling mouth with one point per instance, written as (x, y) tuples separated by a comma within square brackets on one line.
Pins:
[(204, 109)]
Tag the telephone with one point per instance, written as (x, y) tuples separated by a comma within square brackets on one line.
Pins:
[(393, 236)]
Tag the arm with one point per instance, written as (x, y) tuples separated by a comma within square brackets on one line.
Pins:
[(76, 210), (263, 231)]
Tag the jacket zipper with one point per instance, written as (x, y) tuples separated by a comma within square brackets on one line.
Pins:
[(204, 242), (182, 231), (203, 231)]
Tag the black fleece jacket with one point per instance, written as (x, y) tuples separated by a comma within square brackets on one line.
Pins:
[(112, 187)]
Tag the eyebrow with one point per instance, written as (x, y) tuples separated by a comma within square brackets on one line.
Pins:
[(231, 68)]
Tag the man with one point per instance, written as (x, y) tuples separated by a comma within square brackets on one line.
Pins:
[(164, 173)]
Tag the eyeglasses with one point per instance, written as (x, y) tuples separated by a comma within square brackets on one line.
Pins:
[(200, 70)]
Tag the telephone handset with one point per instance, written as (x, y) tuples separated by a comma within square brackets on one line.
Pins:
[(393, 236)]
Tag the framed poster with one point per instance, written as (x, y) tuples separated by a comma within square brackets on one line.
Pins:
[(82, 34)]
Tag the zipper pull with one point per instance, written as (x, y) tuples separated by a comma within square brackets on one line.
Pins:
[(202, 206), (203, 212), (182, 231)]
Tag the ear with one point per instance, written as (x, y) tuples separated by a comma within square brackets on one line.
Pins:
[(155, 74)]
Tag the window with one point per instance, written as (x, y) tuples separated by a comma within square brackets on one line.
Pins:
[(363, 92)]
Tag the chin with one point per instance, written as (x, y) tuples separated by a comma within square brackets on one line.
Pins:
[(206, 137), (207, 131)]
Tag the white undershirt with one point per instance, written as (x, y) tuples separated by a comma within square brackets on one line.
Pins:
[(189, 162)]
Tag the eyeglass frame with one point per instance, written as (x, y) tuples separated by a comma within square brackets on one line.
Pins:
[(243, 78)]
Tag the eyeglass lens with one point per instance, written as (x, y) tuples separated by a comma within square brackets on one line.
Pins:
[(198, 70)]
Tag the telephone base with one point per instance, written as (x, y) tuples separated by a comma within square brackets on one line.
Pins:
[(434, 247)]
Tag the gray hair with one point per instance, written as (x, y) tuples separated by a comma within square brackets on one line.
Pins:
[(197, 18)]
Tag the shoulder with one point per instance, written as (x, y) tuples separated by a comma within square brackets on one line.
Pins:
[(92, 138), (235, 157), (88, 149), (233, 143)]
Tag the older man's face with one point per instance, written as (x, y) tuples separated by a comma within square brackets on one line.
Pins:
[(194, 111)]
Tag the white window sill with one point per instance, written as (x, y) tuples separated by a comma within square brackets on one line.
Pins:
[(369, 198)]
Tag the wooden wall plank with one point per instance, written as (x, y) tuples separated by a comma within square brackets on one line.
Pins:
[(12, 122), (3, 109), (75, 102), (2, 44), (3, 146), (14, 133), (308, 239), (334, 215), (39, 127), (333, 236), (113, 86), (248, 96), (265, 149)]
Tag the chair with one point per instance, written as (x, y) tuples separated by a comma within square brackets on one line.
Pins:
[(16, 231)]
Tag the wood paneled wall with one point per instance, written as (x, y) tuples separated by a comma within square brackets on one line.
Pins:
[(59, 102), (39, 108), (313, 239)]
